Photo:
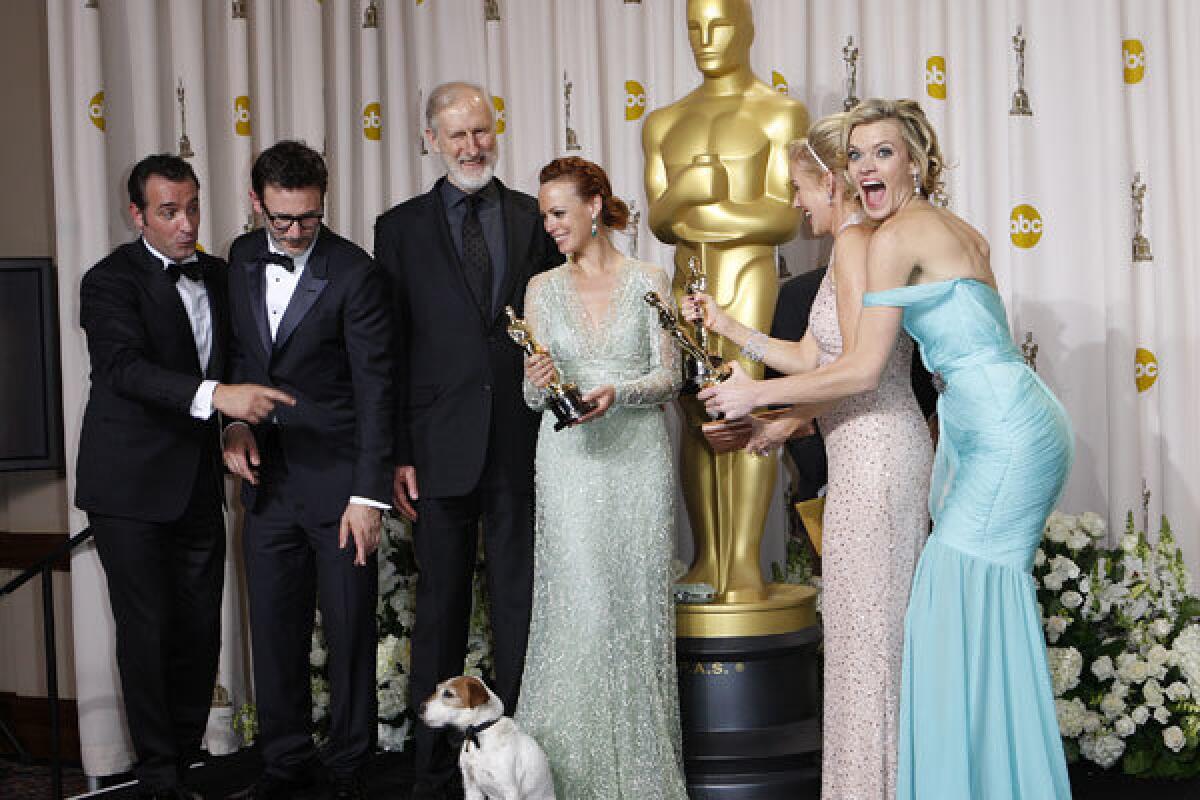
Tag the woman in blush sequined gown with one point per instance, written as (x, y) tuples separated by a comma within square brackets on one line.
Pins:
[(977, 714), (599, 691), (880, 456)]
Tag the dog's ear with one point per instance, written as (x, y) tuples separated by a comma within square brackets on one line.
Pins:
[(476, 694)]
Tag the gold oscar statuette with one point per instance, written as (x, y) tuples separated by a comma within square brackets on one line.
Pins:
[(716, 177), (185, 144), (563, 399), (491, 11), (850, 56), (707, 370), (572, 138), (1029, 351), (371, 15), (1020, 100), (1141, 244), (237, 9)]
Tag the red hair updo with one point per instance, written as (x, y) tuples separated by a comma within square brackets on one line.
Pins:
[(590, 181)]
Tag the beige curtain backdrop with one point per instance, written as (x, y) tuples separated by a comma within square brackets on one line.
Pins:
[(1114, 88)]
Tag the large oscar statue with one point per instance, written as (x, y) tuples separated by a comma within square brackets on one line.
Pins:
[(718, 190)]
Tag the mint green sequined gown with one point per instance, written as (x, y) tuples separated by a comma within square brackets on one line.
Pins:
[(599, 692)]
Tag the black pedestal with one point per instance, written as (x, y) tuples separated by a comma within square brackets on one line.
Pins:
[(751, 709)]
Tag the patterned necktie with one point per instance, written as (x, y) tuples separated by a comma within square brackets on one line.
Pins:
[(192, 270), (477, 263)]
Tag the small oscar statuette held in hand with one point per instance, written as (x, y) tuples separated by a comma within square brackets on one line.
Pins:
[(564, 399)]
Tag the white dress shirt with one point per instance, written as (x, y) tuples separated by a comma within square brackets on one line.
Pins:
[(199, 314)]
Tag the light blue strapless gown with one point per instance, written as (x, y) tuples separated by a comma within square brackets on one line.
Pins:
[(977, 710)]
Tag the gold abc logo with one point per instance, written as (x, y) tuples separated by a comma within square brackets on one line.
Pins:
[(1025, 225), (1145, 369), (501, 116), (373, 122), (241, 115), (1133, 54), (635, 100), (96, 109), (935, 77), (779, 82)]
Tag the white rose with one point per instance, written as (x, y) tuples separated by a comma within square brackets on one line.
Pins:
[(1140, 715), (1093, 523), (1056, 531), (1071, 599), (1112, 705), (1161, 628), (1065, 567), (1102, 749), (1065, 665), (1053, 581), (1173, 738), (1153, 693), (1133, 671), (1178, 691), (1102, 668), (1077, 540), (1085, 584), (1188, 640), (1039, 557), (1070, 714), (1161, 715), (1129, 542), (1125, 726), (1055, 626), (1157, 655), (1092, 722)]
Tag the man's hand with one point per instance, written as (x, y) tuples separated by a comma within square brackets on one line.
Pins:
[(362, 523), (404, 491), (248, 401), (241, 452)]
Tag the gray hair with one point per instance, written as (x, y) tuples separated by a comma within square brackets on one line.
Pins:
[(445, 94)]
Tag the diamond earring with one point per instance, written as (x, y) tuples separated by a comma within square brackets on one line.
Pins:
[(595, 228)]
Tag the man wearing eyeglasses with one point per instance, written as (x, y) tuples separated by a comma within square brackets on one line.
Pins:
[(308, 315)]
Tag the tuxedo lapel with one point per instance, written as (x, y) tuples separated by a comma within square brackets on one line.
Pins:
[(252, 273), (312, 282), (218, 309), (162, 291)]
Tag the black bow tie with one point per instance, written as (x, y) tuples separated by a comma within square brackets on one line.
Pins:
[(192, 270), (471, 734), (279, 260)]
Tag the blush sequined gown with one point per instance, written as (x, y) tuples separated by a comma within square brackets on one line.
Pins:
[(599, 693), (876, 519)]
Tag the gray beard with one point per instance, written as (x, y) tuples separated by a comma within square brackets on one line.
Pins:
[(467, 183)]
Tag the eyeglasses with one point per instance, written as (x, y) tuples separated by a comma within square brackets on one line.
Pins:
[(281, 223)]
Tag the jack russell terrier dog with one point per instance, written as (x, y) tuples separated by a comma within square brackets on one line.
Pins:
[(498, 761)]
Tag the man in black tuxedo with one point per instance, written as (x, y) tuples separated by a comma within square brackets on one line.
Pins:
[(309, 316), (464, 437), (156, 316)]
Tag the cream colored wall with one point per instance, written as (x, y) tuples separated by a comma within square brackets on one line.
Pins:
[(30, 502)]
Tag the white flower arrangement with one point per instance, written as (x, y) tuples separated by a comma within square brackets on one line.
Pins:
[(1123, 638)]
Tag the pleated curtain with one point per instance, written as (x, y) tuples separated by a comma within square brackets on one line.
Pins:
[(1114, 88)]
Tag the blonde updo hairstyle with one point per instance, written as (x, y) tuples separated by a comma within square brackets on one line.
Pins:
[(825, 137), (919, 136)]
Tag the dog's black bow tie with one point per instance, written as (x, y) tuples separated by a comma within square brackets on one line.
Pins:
[(191, 269), (279, 259), (471, 734)]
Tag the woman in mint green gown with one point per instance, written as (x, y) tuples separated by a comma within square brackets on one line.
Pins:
[(599, 692), (977, 715)]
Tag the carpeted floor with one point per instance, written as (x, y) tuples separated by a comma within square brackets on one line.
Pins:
[(390, 777)]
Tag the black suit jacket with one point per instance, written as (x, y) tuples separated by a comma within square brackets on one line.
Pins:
[(330, 353), (140, 447), (459, 405)]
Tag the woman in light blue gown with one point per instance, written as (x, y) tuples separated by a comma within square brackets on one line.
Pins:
[(977, 716), (599, 690)]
